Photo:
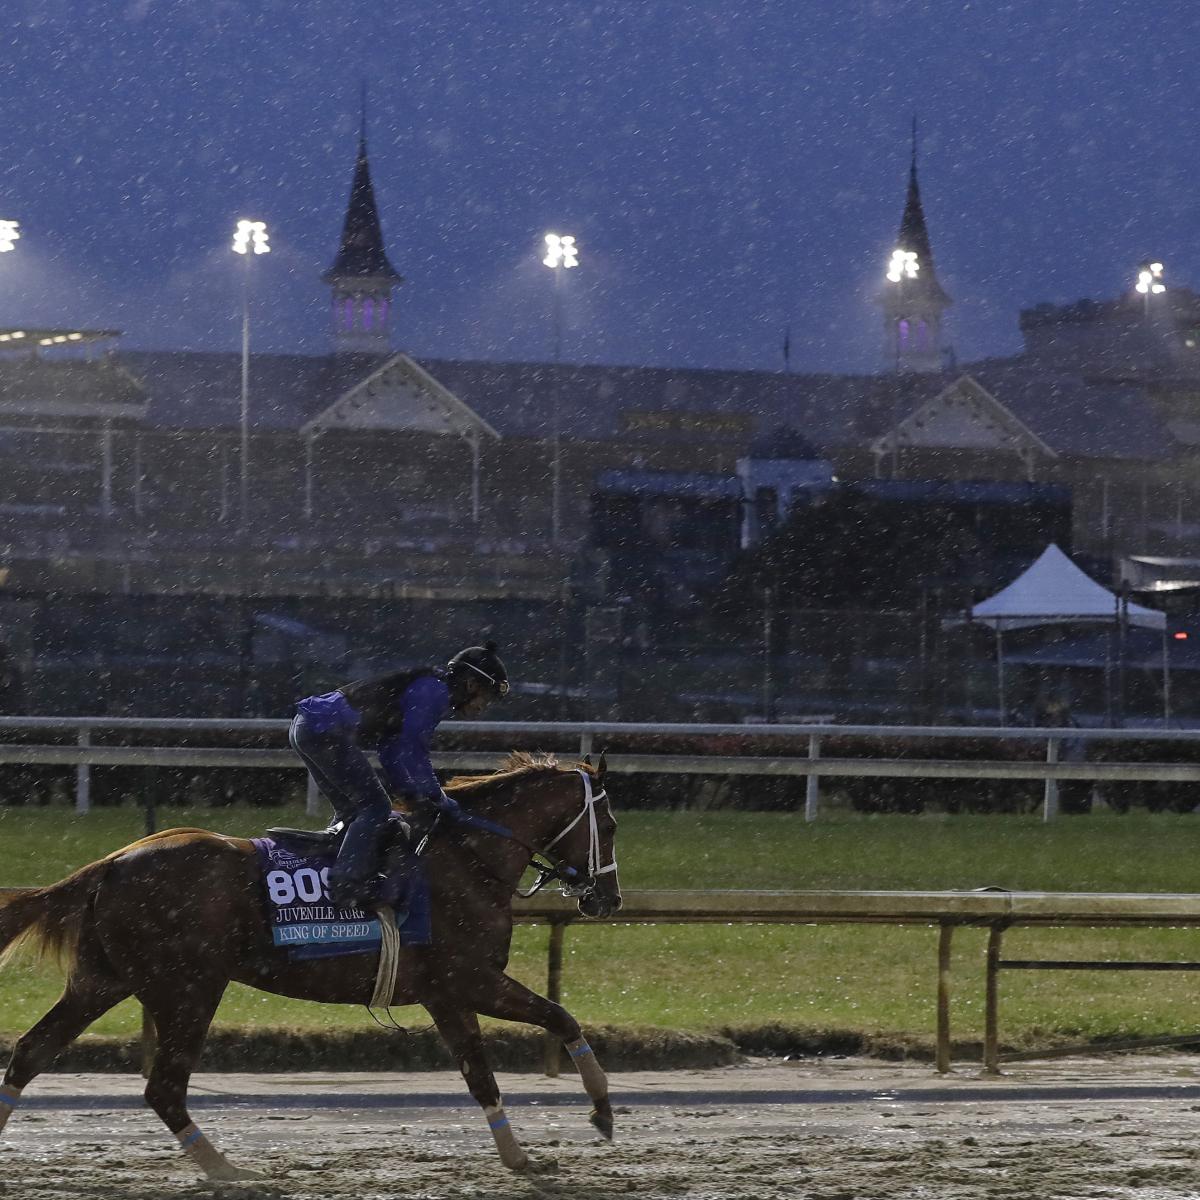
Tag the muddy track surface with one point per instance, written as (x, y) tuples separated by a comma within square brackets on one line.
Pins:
[(867, 1131)]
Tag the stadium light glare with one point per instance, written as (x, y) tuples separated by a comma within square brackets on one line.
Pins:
[(251, 237), (1150, 279), (561, 251), (903, 265)]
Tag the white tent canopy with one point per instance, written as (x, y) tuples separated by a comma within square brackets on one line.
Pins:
[(1054, 591)]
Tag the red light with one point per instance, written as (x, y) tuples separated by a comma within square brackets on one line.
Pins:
[(1180, 636)]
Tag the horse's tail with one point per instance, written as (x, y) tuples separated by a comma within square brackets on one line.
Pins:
[(49, 919)]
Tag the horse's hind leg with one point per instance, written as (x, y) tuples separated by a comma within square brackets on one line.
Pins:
[(90, 992), (183, 1008), (512, 1001)]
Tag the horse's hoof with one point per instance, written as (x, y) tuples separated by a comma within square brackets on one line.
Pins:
[(540, 1166), (228, 1173), (602, 1119)]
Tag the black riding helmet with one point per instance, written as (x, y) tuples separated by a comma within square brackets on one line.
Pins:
[(481, 663)]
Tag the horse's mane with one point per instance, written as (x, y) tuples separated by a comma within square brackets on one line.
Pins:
[(518, 765)]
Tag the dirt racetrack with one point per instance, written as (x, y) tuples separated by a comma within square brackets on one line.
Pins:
[(817, 1130)]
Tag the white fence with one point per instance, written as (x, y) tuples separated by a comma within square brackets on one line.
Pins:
[(579, 738)]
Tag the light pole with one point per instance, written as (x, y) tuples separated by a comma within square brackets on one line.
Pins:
[(902, 266), (561, 255), (249, 238), (1149, 283)]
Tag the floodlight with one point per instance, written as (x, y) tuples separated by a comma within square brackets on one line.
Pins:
[(561, 251), (251, 236), (1150, 279), (903, 265)]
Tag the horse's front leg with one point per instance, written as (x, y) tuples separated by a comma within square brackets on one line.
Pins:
[(460, 1031), (513, 1001)]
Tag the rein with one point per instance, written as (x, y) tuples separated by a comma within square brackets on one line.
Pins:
[(547, 865)]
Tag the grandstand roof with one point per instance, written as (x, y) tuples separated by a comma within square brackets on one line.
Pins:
[(1073, 416), (202, 390), (69, 387)]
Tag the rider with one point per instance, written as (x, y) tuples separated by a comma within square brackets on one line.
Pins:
[(395, 714)]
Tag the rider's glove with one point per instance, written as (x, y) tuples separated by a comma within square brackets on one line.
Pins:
[(448, 807)]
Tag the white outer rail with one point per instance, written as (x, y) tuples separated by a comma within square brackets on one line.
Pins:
[(84, 754)]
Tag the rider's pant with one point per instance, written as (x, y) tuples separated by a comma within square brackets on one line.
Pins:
[(345, 777)]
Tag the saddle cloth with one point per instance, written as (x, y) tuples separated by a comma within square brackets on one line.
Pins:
[(304, 922)]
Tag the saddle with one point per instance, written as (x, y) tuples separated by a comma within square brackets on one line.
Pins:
[(400, 877), (312, 843), (305, 843)]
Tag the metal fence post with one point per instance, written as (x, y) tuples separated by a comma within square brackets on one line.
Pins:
[(812, 789), (83, 776), (586, 741), (991, 1003), (945, 934), (1050, 797), (312, 799)]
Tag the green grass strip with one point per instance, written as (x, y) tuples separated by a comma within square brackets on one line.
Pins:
[(857, 978)]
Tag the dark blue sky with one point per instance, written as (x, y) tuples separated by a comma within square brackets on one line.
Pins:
[(725, 171)]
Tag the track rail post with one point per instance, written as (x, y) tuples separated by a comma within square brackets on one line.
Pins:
[(812, 790), (83, 775), (1050, 795), (945, 935), (991, 1027)]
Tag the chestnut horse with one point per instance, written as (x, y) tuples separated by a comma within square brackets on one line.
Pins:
[(173, 918)]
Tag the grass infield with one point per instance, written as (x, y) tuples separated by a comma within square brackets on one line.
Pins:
[(819, 980)]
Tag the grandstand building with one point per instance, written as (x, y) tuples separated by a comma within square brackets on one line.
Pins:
[(398, 504)]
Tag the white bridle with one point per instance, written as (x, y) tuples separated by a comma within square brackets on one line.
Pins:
[(590, 800)]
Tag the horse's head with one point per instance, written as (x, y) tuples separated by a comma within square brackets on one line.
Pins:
[(559, 816), (586, 845)]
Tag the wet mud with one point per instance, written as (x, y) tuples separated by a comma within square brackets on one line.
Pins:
[(671, 1143)]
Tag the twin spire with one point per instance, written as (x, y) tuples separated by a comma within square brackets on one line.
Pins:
[(361, 277), (912, 299)]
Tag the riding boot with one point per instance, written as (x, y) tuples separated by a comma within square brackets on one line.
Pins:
[(353, 877)]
